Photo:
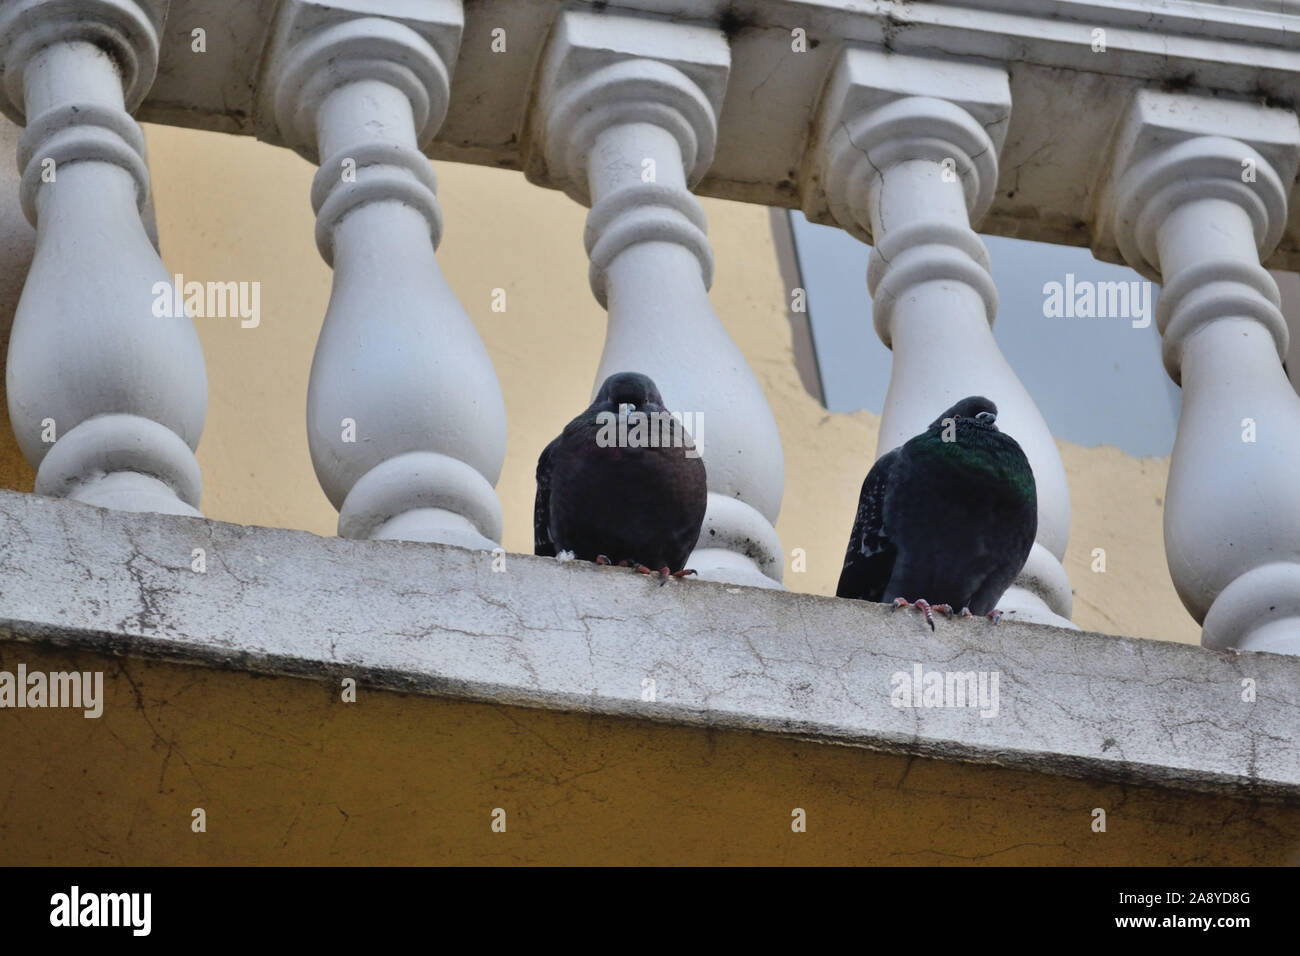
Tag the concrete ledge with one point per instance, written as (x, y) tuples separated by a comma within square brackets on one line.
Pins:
[(439, 621)]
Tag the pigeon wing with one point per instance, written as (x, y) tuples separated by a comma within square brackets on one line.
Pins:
[(869, 560), (542, 543)]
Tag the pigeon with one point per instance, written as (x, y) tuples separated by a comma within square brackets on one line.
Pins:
[(946, 520), (613, 493)]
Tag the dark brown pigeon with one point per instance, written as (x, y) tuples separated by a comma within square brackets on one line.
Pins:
[(946, 520), (610, 493)]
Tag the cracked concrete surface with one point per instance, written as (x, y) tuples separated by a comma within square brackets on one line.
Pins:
[(439, 621)]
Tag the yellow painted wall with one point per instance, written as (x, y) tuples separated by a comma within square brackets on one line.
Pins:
[(229, 208), (287, 773), (16, 239)]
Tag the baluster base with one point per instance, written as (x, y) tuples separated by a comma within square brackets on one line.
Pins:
[(125, 462), (1259, 611), (423, 496)]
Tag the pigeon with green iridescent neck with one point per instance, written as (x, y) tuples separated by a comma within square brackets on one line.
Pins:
[(946, 520)]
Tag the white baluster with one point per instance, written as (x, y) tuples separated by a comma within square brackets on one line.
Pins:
[(627, 124), (906, 158), (1196, 196), (121, 390), (405, 417)]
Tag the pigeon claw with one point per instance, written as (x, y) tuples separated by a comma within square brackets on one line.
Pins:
[(925, 607), (663, 573), (993, 615), (603, 560)]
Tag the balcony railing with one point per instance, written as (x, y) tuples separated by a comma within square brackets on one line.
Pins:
[(905, 124)]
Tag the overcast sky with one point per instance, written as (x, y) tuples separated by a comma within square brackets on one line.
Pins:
[(1097, 381)]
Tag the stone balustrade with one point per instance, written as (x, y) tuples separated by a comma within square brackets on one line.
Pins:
[(1179, 158), (405, 418), (906, 156), (106, 384), (627, 121), (1196, 193)]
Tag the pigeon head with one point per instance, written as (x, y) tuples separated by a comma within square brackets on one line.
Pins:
[(975, 411), (630, 388)]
